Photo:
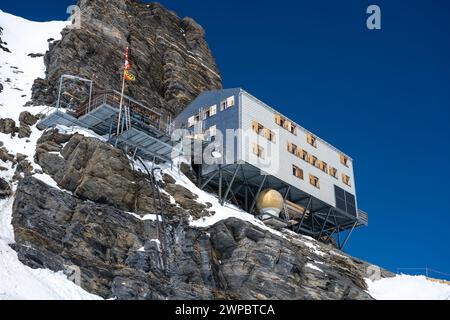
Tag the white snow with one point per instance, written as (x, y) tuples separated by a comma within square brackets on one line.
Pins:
[(314, 267), (17, 73), (407, 287)]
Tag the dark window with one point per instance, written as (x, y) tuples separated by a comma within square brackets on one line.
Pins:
[(345, 200)]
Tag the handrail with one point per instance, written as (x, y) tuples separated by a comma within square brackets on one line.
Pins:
[(112, 98)]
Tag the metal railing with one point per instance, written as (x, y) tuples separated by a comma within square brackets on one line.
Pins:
[(363, 216), (138, 112)]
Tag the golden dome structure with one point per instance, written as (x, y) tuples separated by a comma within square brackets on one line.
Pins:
[(270, 202)]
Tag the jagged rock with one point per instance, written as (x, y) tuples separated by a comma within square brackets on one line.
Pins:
[(5, 156), (186, 199), (170, 57), (94, 170), (119, 258), (5, 189), (24, 131), (23, 169), (20, 157), (35, 55), (3, 45), (8, 126), (27, 118)]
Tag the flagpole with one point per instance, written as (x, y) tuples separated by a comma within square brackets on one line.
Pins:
[(121, 96), (120, 108)]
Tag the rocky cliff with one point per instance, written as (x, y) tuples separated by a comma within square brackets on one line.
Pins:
[(170, 57), (124, 256)]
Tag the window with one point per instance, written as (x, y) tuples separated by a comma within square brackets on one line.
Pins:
[(230, 102), (303, 154), (296, 171), (269, 134), (212, 111), (286, 124), (344, 160), (346, 179), (227, 103), (314, 181), (323, 166), (313, 160), (333, 172), (258, 151), (311, 140), (257, 128), (292, 148), (192, 121)]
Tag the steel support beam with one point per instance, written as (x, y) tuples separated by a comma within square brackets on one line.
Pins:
[(348, 235), (230, 184), (304, 214), (209, 180), (325, 222), (257, 194)]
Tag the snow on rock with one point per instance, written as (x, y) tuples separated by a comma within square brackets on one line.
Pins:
[(407, 287), (17, 73)]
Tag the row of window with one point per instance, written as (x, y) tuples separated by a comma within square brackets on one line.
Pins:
[(313, 180), (211, 111), (286, 124), (313, 160), (265, 132), (322, 165)]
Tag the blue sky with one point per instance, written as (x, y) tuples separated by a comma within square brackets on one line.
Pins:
[(381, 96)]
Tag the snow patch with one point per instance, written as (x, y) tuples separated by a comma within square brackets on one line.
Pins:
[(407, 287), (18, 281)]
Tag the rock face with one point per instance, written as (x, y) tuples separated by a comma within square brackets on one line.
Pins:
[(119, 257), (96, 171), (170, 57), (8, 126), (5, 189), (122, 256)]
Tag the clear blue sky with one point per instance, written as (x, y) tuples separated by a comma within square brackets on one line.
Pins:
[(381, 96)]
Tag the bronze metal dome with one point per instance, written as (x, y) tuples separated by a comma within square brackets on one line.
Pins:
[(270, 202)]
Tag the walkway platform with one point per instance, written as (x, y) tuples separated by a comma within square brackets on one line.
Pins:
[(146, 133)]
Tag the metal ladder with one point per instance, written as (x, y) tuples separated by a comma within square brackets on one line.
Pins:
[(158, 204)]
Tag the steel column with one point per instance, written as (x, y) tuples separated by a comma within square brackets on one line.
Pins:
[(325, 222), (257, 194), (348, 236), (230, 185), (304, 214)]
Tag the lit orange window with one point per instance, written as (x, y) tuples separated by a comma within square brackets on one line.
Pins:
[(291, 148), (311, 140), (313, 160), (256, 127), (296, 171), (323, 166), (333, 172), (314, 181), (346, 179), (344, 160), (258, 151)]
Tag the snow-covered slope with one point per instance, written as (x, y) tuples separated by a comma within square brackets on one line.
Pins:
[(17, 72), (406, 287)]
